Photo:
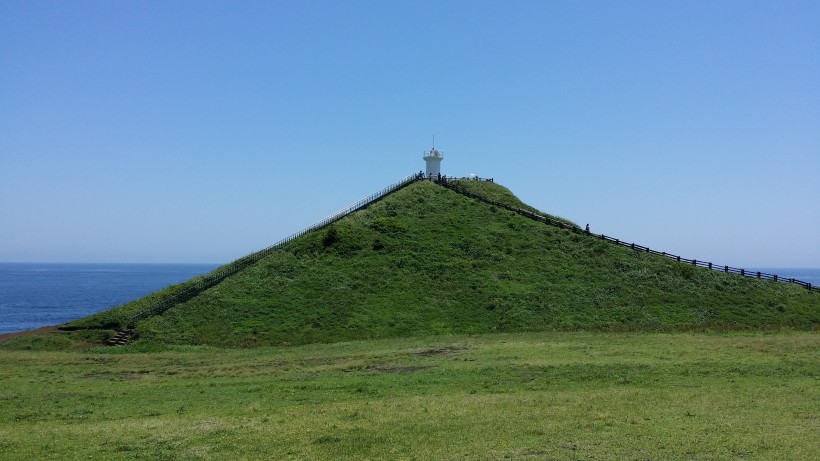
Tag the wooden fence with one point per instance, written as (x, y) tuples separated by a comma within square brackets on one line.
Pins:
[(229, 269), (456, 187)]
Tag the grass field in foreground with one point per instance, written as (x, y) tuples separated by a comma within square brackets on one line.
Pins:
[(507, 396)]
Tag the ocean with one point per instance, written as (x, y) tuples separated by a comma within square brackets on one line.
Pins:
[(34, 295)]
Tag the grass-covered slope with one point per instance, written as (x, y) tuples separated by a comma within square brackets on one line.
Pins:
[(426, 260)]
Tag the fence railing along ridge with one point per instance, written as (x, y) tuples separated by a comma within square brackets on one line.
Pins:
[(574, 228), (213, 278)]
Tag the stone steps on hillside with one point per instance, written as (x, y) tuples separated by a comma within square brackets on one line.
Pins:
[(120, 338)]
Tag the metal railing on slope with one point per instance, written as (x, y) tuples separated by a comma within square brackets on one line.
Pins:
[(454, 186), (229, 269)]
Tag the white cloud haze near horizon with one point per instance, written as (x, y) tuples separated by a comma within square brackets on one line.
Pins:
[(204, 131)]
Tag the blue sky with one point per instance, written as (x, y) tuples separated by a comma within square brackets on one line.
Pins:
[(197, 131)]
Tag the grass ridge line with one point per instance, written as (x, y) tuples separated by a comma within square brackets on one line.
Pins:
[(455, 186), (232, 268)]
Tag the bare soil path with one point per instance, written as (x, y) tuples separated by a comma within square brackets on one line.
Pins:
[(6, 336)]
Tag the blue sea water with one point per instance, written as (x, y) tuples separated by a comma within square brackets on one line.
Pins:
[(34, 295)]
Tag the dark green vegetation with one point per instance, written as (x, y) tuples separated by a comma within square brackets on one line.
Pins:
[(524, 396), (426, 260)]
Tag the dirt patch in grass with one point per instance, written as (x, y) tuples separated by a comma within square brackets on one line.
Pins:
[(391, 369), (113, 377), (28, 332), (534, 453), (432, 352), (132, 376)]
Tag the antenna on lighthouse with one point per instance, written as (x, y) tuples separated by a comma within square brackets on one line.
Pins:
[(433, 159)]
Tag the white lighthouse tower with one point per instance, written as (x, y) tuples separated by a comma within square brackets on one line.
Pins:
[(433, 158)]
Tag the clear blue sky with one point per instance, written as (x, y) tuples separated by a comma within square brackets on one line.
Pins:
[(200, 131)]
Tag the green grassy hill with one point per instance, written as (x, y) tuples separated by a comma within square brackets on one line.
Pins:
[(426, 260)]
